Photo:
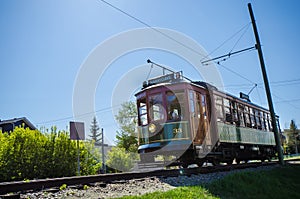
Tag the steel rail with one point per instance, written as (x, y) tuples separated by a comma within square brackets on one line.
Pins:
[(41, 184)]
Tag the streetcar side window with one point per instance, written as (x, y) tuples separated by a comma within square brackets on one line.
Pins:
[(228, 117), (156, 107), (252, 118), (241, 115), (204, 119), (203, 105), (247, 117), (266, 122), (142, 108), (219, 108), (262, 119), (192, 101), (270, 122), (234, 112), (257, 118)]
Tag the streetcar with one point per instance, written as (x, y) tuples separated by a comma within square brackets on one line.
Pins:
[(193, 122)]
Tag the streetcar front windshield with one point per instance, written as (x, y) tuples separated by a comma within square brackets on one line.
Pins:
[(156, 110), (175, 105)]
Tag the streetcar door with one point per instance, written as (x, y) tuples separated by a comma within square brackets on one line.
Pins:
[(196, 117)]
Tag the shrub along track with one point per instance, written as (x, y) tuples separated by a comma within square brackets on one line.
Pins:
[(42, 184)]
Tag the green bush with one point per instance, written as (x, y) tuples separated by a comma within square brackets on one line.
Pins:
[(29, 154), (120, 159)]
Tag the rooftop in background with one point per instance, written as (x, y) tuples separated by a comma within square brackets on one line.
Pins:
[(10, 124)]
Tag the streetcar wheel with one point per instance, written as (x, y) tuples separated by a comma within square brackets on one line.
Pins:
[(215, 162), (199, 163), (184, 165), (229, 162)]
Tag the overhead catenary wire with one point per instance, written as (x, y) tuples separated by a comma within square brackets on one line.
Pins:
[(287, 82), (239, 39), (245, 28), (147, 25), (236, 73), (285, 101), (153, 28), (281, 83), (229, 54), (77, 116), (231, 37)]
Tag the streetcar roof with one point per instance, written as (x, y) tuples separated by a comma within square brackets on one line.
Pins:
[(203, 85)]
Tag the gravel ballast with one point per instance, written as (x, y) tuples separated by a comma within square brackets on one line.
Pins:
[(135, 186)]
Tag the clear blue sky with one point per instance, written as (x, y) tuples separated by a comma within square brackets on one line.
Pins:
[(44, 44)]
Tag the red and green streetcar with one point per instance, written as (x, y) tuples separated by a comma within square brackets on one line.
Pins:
[(194, 122)]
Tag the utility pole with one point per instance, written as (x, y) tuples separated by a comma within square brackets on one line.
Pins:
[(266, 82)]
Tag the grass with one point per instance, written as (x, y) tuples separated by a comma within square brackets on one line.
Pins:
[(181, 192), (281, 182)]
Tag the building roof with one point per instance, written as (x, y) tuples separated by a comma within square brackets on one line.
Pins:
[(15, 120)]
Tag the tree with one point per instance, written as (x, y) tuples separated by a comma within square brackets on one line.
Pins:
[(94, 131), (293, 128), (119, 159), (127, 119), (293, 137)]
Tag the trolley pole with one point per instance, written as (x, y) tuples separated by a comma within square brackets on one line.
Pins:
[(266, 82)]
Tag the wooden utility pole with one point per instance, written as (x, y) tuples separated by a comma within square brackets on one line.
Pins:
[(267, 87)]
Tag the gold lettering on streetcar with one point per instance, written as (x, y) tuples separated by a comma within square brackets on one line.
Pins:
[(177, 130)]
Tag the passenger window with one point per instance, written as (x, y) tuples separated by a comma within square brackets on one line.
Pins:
[(203, 105), (156, 107), (228, 116), (175, 105), (143, 119), (252, 118), (192, 101), (269, 122), (262, 119), (266, 121), (247, 116), (241, 115), (234, 112), (257, 118), (219, 108)]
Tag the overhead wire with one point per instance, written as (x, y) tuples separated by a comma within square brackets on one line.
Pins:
[(282, 82), (246, 29), (231, 37), (236, 73), (149, 26), (287, 101), (273, 83), (193, 50), (78, 116)]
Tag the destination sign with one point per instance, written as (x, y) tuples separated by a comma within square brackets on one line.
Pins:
[(165, 78), (244, 96)]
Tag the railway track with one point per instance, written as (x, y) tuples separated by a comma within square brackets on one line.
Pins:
[(42, 184)]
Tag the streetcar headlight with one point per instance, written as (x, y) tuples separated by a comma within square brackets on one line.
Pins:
[(152, 128)]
